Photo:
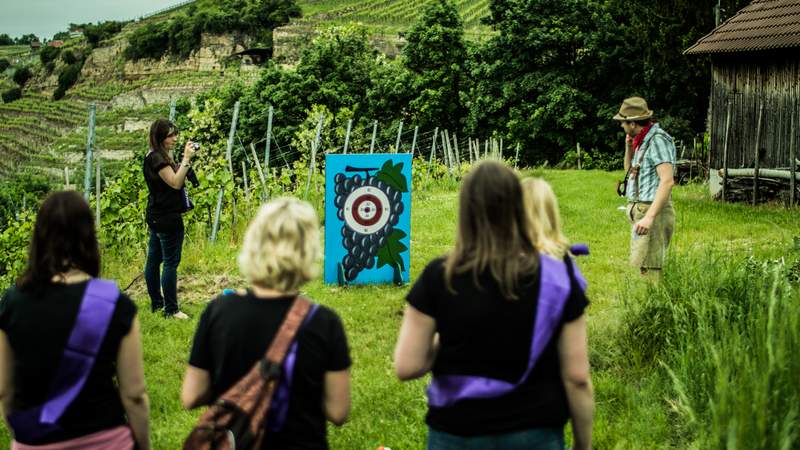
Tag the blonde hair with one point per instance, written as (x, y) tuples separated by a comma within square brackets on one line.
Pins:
[(281, 248), (544, 220)]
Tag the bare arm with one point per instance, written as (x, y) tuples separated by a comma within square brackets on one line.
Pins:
[(666, 181), (130, 374), (337, 396), (177, 179), (196, 389), (628, 152), (417, 345), (574, 356), (6, 375)]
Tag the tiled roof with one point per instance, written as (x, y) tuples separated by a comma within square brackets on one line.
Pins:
[(762, 25)]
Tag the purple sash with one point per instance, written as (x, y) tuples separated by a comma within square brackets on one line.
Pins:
[(554, 290), (80, 353), (279, 405)]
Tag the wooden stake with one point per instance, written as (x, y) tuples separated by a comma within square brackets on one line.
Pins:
[(399, 133), (414, 142), (261, 176), (269, 138), (725, 153), (231, 135), (347, 135), (374, 134), (87, 176), (97, 193), (433, 153), (757, 157)]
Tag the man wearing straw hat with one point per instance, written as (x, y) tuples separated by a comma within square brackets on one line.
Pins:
[(649, 161)]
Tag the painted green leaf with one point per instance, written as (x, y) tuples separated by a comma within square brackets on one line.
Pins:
[(392, 175), (391, 250)]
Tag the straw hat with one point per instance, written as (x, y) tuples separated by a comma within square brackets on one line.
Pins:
[(633, 109)]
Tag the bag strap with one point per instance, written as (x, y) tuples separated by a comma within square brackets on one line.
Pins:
[(276, 352)]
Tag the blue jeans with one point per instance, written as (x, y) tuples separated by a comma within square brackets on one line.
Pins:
[(163, 248), (532, 439)]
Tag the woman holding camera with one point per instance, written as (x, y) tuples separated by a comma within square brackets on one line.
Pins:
[(166, 202)]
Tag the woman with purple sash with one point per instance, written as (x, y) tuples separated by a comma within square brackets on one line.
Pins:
[(501, 327), (71, 370)]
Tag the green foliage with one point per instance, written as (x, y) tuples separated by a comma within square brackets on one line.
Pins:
[(69, 57), (436, 54), (26, 39), (14, 240), (96, 34), (4, 64), (48, 54), (181, 34), (22, 75), (5, 39), (149, 41), (69, 75), (12, 95)]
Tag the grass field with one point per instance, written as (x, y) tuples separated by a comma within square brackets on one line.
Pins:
[(636, 405)]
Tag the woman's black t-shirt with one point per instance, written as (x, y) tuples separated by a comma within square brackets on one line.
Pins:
[(483, 334), (164, 203), (234, 332), (38, 324)]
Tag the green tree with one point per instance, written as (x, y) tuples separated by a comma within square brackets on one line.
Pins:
[(4, 64), (48, 54), (22, 75), (436, 53), (26, 39), (6, 39)]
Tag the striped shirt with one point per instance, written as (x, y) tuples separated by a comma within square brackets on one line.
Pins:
[(657, 149)]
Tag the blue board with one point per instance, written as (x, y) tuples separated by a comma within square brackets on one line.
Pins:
[(367, 218)]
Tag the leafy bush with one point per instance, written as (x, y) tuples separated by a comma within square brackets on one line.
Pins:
[(96, 34), (4, 64), (5, 39), (12, 94), (69, 57), (59, 93), (22, 75), (48, 54), (69, 75), (148, 42)]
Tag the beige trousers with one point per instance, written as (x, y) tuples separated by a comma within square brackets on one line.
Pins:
[(649, 250)]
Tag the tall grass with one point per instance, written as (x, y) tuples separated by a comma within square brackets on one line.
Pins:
[(724, 333)]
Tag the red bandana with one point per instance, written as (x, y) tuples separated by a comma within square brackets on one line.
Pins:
[(639, 138)]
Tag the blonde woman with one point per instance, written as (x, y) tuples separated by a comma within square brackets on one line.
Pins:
[(544, 220), (280, 253)]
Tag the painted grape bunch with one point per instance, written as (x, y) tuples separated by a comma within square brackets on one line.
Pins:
[(369, 209)]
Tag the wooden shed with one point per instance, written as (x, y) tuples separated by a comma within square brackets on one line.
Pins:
[(755, 78)]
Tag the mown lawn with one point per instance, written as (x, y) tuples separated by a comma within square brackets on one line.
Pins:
[(632, 408)]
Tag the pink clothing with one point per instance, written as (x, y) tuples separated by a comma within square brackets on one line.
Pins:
[(119, 438)]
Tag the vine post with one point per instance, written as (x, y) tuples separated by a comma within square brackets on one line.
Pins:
[(217, 212), (269, 138), (261, 176), (347, 135), (231, 135), (172, 107), (312, 161), (97, 192), (374, 134), (414, 141), (397, 142), (87, 177), (433, 153)]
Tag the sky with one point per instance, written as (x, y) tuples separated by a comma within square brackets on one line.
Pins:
[(44, 18)]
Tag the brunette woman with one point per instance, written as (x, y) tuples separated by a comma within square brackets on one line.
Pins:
[(39, 317), (166, 202), (502, 329)]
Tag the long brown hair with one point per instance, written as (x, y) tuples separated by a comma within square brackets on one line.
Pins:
[(63, 238), (492, 232), (159, 131)]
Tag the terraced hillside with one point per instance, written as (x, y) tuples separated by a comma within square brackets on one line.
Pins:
[(388, 15)]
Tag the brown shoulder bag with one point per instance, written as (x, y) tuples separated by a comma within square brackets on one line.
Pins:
[(237, 420)]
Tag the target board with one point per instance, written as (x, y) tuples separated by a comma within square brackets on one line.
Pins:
[(367, 218)]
